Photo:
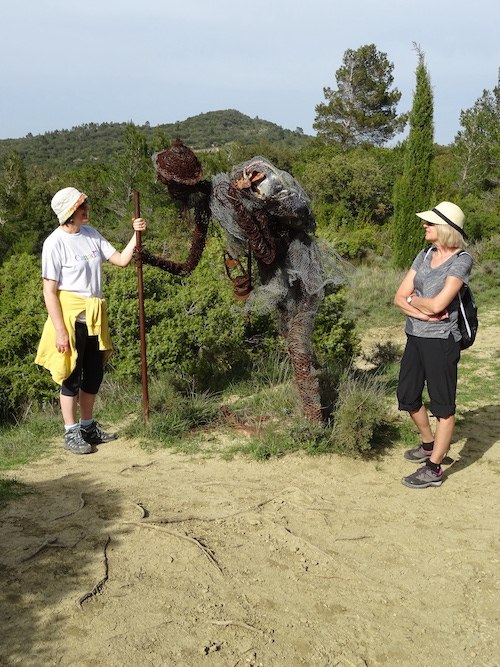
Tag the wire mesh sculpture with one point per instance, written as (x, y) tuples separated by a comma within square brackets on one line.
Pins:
[(264, 212)]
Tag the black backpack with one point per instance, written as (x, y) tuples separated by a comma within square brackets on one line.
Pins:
[(467, 317)]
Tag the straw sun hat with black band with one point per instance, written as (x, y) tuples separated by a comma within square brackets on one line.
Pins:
[(446, 213)]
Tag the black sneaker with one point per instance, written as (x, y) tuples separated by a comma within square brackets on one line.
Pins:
[(418, 454), (94, 436), (74, 442), (423, 478)]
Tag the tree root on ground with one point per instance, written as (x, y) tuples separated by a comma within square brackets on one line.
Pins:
[(49, 542), (100, 584), (205, 550), (82, 505), (136, 465)]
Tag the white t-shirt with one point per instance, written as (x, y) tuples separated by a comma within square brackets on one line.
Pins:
[(75, 260)]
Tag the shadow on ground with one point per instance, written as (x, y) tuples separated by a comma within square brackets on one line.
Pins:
[(480, 430), (37, 533)]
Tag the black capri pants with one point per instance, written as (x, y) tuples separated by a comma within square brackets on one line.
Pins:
[(431, 360), (89, 370)]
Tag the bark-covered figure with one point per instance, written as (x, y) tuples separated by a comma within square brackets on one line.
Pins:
[(264, 211)]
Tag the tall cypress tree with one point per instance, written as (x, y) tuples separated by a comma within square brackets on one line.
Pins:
[(413, 189)]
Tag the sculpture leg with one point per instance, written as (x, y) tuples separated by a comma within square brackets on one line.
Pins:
[(298, 332)]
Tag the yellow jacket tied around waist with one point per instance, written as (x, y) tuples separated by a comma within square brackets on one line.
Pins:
[(62, 365)]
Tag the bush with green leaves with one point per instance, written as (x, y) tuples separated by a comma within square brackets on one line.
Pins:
[(355, 426), (22, 315), (334, 337), (359, 414), (350, 189), (193, 324), (194, 328), (481, 220), (358, 243)]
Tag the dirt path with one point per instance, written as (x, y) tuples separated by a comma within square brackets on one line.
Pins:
[(163, 559)]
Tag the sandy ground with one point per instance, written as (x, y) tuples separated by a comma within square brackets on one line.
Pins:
[(125, 558)]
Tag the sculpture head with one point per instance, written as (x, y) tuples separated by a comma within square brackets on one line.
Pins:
[(177, 164)]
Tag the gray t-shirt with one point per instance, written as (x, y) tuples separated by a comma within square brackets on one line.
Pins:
[(429, 282)]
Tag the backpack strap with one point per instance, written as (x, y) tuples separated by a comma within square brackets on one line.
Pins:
[(464, 252)]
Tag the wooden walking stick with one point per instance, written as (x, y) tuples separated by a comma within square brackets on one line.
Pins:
[(142, 321)]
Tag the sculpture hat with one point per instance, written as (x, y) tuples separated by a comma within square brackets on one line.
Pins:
[(178, 163)]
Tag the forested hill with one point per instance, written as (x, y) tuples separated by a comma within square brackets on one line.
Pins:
[(85, 144)]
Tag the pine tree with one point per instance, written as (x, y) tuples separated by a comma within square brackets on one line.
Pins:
[(477, 145), (413, 189), (363, 108)]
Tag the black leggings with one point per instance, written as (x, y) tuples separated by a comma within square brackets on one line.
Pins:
[(88, 372)]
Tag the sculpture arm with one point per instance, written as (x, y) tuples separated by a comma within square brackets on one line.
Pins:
[(179, 268)]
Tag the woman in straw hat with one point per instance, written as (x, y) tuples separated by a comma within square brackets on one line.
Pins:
[(428, 295), (75, 341)]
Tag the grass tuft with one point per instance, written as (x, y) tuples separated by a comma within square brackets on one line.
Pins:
[(11, 489)]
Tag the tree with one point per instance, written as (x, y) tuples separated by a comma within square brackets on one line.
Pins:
[(363, 109), (412, 190), (94, 181), (350, 189), (22, 314), (130, 170), (24, 207), (13, 189), (477, 145)]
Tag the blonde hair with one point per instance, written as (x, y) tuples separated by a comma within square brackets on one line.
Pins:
[(449, 237)]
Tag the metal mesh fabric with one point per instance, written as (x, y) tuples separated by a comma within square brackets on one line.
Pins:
[(276, 190), (312, 261)]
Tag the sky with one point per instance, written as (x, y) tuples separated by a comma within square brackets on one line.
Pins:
[(65, 63)]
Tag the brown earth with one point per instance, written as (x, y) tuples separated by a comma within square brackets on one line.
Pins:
[(168, 559)]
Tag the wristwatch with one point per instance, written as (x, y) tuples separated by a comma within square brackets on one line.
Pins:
[(409, 299)]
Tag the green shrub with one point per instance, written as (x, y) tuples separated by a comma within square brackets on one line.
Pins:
[(194, 329), (359, 412), (490, 248), (334, 337), (175, 410), (10, 488), (193, 325), (22, 315), (357, 243), (481, 218)]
